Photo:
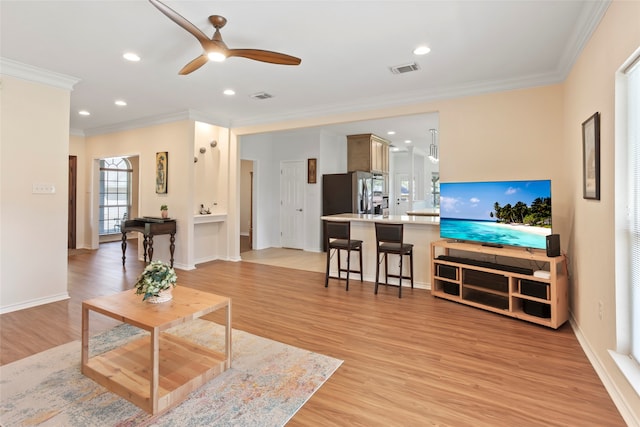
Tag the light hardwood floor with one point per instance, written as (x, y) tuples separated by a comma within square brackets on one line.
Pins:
[(415, 361)]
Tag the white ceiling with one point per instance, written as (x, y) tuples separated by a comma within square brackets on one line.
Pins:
[(346, 47)]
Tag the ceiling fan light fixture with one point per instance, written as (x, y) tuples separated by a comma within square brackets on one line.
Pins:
[(216, 56)]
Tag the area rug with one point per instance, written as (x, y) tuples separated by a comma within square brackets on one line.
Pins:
[(267, 384)]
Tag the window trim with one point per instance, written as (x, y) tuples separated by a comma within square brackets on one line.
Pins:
[(102, 170), (629, 367)]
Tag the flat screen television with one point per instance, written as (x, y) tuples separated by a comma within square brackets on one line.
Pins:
[(499, 213)]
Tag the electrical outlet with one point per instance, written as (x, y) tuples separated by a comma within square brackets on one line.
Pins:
[(43, 188), (600, 310)]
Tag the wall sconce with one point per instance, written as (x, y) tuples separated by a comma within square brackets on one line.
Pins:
[(203, 150), (213, 143)]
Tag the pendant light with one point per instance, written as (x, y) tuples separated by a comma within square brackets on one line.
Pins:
[(433, 148)]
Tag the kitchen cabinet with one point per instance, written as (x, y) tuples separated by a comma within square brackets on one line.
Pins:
[(367, 152)]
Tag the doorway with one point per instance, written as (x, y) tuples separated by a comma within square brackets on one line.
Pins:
[(292, 180), (73, 202), (247, 168)]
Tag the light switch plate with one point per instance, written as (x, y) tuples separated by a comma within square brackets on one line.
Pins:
[(44, 188)]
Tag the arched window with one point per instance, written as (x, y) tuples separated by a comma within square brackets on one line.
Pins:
[(115, 193)]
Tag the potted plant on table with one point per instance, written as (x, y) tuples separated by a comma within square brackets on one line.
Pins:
[(164, 211), (156, 282)]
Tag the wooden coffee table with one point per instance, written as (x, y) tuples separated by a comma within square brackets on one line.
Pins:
[(157, 371)]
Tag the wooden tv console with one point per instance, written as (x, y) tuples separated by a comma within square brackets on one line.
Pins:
[(487, 285)]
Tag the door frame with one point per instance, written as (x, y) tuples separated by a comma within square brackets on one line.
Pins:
[(72, 203)]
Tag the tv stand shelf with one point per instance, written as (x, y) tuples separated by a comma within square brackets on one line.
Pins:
[(490, 286)]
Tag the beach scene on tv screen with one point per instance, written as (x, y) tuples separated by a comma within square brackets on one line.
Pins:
[(515, 213)]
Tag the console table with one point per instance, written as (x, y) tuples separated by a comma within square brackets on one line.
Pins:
[(149, 227)]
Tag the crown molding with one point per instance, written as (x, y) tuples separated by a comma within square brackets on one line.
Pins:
[(405, 99), (588, 21), (194, 115), (30, 73)]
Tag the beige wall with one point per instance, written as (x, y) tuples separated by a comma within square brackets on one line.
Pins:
[(175, 138), (212, 168), (34, 149), (189, 183), (590, 88)]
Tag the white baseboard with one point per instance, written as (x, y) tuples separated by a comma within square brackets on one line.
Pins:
[(34, 302), (610, 385)]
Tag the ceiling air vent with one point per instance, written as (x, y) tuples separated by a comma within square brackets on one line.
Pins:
[(261, 95), (401, 69)]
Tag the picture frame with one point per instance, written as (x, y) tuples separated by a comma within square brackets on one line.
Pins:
[(162, 172), (311, 171), (591, 157)]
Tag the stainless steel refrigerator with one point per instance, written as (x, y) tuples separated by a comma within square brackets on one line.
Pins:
[(347, 193)]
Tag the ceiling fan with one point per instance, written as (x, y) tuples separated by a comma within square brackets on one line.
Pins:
[(214, 48)]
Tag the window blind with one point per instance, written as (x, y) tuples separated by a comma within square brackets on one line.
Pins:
[(633, 134)]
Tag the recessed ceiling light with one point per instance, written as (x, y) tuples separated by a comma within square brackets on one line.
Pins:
[(391, 132), (229, 92), (421, 50), (407, 141), (84, 113), (120, 103), (395, 149), (130, 56)]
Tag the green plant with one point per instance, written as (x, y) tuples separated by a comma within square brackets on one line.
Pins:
[(157, 276), (164, 208)]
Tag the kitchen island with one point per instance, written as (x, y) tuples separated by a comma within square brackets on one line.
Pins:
[(418, 230)]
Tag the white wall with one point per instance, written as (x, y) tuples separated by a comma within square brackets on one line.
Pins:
[(268, 150), (266, 191), (34, 149)]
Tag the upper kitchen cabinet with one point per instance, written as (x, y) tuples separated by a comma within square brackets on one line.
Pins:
[(367, 152)]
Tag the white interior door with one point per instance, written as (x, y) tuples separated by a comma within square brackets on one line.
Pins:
[(292, 180), (400, 204)]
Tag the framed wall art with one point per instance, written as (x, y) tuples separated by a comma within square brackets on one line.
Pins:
[(162, 168), (591, 157), (311, 171)]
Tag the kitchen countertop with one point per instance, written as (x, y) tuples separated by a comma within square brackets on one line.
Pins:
[(425, 212), (404, 219)]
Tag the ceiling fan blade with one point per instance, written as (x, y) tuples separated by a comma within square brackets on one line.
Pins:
[(265, 56), (194, 65), (181, 21)]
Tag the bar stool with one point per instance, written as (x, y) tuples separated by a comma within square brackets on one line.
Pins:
[(338, 239), (389, 241)]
